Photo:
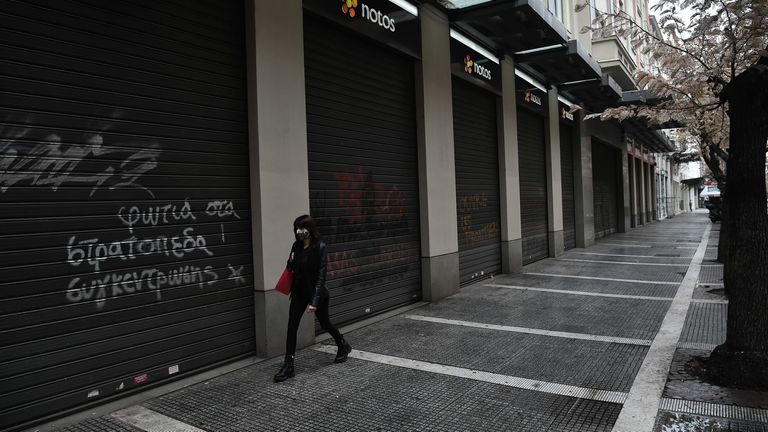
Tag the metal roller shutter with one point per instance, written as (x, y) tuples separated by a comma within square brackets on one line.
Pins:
[(363, 172), (477, 181), (632, 197), (125, 251), (640, 192), (569, 198), (604, 180), (533, 186)]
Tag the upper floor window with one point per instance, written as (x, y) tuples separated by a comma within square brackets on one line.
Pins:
[(556, 7)]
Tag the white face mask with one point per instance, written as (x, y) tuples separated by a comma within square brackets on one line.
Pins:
[(302, 233)]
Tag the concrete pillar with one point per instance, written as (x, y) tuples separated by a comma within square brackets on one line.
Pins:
[(584, 194), (277, 139), (509, 173), (554, 177), (437, 167), (625, 210), (649, 191), (654, 193), (641, 193), (632, 189)]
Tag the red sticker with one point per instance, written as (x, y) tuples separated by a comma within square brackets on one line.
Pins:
[(140, 379)]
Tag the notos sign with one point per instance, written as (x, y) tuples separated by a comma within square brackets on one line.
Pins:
[(472, 66), (349, 8), (379, 19), (532, 98), (565, 113)]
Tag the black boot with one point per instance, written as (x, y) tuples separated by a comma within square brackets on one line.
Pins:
[(287, 370), (344, 350)]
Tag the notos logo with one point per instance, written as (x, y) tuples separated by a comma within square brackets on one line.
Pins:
[(532, 98), (349, 7), (472, 66)]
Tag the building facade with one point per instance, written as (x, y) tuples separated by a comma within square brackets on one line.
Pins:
[(154, 158)]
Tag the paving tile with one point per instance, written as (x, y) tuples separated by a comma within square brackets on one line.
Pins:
[(101, 424), (705, 323), (591, 269), (551, 311), (365, 396), (587, 285), (583, 363)]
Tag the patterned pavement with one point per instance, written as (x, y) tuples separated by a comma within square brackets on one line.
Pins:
[(557, 347)]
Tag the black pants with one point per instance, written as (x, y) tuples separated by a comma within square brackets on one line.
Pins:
[(296, 311)]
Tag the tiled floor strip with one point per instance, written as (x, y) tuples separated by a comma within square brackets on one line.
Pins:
[(152, 421), (624, 245), (582, 293), (697, 346), (642, 405), (629, 255), (710, 301), (504, 380), (622, 262), (602, 278), (568, 335), (714, 410)]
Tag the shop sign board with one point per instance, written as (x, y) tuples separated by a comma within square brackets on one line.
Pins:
[(470, 65), (381, 20)]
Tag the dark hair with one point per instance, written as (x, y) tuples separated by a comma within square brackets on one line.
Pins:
[(306, 221)]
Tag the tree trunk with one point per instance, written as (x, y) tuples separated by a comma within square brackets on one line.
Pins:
[(724, 238), (745, 353), (722, 246)]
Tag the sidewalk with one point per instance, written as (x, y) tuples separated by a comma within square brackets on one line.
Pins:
[(570, 344)]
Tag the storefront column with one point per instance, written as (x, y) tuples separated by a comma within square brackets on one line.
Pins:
[(584, 193), (654, 193), (641, 193), (625, 211), (554, 177), (278, 157), (649, 188), (509, 173), (437, 167), (632, 188)]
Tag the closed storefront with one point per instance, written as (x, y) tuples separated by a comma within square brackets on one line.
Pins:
[(363, 173), (640, 191), (605, 180), (632, 188), (567, 172), (477, 166), (125, 238), (533, 173)]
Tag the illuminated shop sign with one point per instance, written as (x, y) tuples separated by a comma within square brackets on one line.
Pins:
[(394, 23)]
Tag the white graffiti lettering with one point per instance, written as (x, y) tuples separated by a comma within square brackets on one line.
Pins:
[(116, 284), (93, 252), (53, 163), (155, 215), (236, 274), (221, 209)]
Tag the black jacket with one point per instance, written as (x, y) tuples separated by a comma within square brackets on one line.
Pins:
[(309, 282)]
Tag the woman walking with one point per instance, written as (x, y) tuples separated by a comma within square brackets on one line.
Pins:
[(308, 261)]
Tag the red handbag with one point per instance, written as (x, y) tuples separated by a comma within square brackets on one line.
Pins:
[(285, 283)]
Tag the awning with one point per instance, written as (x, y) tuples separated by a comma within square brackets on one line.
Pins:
[(698, 181), (561, 64), (650, 138), (595, 94), (512, 25)]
